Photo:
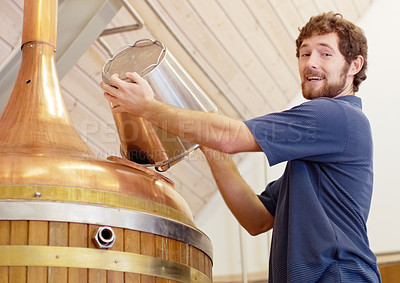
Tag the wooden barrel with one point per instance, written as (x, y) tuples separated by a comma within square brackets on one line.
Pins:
[(46, 236)]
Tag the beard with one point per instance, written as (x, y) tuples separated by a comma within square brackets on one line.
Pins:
[(328, 89)]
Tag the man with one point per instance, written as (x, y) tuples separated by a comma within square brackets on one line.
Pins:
[(319, 207)]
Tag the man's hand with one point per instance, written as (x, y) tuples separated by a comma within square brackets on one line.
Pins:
[(135, 97)]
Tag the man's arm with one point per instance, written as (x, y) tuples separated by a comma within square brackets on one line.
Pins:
[(213, 130), (239, 197)]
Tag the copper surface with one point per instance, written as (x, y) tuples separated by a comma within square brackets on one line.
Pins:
[(139, 140), (38, 143), (40, 21), (35, 119)]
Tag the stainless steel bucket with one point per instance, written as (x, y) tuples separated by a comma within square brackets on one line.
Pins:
[(141, 141)]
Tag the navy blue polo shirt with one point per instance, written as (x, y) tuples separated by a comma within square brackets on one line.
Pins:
[(322, 201)]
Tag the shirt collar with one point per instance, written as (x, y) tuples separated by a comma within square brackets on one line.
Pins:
[(352, 99)]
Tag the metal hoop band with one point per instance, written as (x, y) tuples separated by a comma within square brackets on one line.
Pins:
[(99, 259), (37, 41), (106, 216)]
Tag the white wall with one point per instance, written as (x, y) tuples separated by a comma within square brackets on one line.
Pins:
[(381, 100)]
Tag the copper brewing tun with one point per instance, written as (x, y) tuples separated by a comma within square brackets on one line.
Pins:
[(49, 175)]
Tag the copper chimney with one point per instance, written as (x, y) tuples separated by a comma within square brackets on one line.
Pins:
[(55, 194)]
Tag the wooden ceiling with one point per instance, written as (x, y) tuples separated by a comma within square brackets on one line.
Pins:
[(240, 52)]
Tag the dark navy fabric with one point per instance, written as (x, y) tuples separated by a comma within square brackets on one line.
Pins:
[(321, 202)]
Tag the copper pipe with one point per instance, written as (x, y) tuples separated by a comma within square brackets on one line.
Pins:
[(42, 23)]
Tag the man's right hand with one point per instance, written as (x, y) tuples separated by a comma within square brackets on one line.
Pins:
[(135, 97)]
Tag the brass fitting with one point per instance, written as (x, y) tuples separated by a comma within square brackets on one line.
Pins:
[(104, 237)]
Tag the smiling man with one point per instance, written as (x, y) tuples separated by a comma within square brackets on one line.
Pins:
[(319, 207)]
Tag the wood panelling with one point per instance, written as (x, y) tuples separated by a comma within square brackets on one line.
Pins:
[(18, 236), (58, 236), (389, 266), (10, 20), (361, 6), (132, 244), (390, 273), (78, 237), (5, 228), (38, 235)]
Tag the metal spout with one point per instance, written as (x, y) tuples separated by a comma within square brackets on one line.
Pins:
[(104, 237)]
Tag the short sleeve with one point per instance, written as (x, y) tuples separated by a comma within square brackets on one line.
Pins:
[(315, 131), (269, 197)]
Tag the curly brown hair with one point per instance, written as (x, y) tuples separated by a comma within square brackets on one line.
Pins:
[(352, 41)]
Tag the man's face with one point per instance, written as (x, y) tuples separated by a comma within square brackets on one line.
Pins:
[(323, 69)]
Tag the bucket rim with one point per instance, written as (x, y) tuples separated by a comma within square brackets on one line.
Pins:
[(143, 72)]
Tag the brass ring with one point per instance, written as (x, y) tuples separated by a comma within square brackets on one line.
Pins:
[(20, 255), (90, 196)]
